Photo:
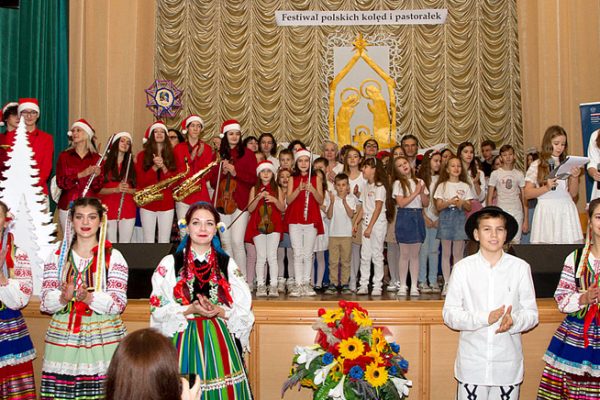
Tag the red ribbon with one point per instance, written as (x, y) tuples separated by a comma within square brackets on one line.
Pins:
[(78, 310), (589, 317)]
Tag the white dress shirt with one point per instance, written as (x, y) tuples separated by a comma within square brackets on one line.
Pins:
[(476, 288)]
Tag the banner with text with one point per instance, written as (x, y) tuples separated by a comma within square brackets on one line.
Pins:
[(383, 17), (590, 122)]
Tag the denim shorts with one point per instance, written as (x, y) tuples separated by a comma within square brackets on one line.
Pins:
[(410, 225), (452, 224)]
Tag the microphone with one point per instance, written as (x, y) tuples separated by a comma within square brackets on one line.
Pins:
[(551, 168), (598, 182)]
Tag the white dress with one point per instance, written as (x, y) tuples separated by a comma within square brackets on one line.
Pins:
[(555, 219)]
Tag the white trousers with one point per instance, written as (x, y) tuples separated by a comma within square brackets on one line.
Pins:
[(181, 208), (149, 222), (125, 228), (372, 250), (233, 238), (303, 238), (468, 391), (266, 251)]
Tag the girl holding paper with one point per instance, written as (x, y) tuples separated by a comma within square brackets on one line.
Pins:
[(555, 219)]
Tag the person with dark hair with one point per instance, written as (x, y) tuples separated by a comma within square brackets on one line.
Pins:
[(487, 156), (84, 288), (145, 367), (76, 166), (197, 293), (16, 348), (232, 189), (296, 145), (410, 146), (119, 187), (267, 145), (155, 163), (573, 356), (175, 137), (370, 148), (491, 301), (9, 116)]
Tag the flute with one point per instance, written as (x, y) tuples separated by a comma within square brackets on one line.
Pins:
[(92, 176), (123, 193), (308, 183)]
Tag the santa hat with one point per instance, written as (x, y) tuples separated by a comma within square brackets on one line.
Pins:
[(187, 121), (265, 165), (6, 107), (301, 153), (151, 128), (28, 104), (83, 124), (120, 135), (229, 125)]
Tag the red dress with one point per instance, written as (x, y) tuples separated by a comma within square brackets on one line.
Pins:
[(203, 157), (275, 216), (245, 169), (113, 200), (151, 177), (68, 166), (294, 214)]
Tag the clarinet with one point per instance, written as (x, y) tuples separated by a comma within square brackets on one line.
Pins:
[(123, 193), (92, 176), (306, 190)]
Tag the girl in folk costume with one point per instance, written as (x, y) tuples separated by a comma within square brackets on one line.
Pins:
[(303, 218), (572, 368), (476, 176), (84, 288), (119, 187), (198, 155), (201, 301), (374, 213), (555, 219), (232, 188), (154, 164), (410, 195), (265, 226), (357, 183), (452, 197), (76, 166), (16, 348)]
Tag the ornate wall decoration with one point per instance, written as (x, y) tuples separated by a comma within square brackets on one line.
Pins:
[(454, 82)]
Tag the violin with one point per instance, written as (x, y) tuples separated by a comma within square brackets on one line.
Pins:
[(225, 203), (265, 225)]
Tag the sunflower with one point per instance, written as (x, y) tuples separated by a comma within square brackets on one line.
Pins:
[(375, 355), (361, 318), (378, 341), (333, 315), (375, 375), (336, 371), (351, 348)]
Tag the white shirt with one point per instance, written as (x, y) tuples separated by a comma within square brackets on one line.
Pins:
[(359, 181), (482, 186), (485, 357), (341, 223), (416, 202), (562, 189), (449, 190), (370, 195), (431, 211), (508, 184)]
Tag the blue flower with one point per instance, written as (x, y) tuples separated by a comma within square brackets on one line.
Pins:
[(403, 364), (356, 372), (393, 370), (395, 347), (327, 358)]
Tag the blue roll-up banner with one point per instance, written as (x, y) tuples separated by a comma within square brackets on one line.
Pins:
[(590, 122)]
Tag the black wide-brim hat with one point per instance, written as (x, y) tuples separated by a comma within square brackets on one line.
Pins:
[(512, 226)]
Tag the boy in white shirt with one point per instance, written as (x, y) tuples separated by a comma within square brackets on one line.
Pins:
[(509, 184), (490, 300), (341, 209)]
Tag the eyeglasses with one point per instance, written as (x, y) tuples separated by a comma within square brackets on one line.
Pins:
[(370, 145)]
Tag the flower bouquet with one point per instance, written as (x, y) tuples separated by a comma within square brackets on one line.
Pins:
[(351, 360)]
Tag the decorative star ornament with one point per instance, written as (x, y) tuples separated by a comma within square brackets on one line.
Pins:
[(163, 98)]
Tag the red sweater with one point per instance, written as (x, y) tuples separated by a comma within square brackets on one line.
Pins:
[(245, 168), (113, 200), (68, 166), (150, 177), (202, 159)]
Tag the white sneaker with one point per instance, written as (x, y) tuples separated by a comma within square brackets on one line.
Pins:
[(445, 291), (363, 290), (424, 288), (414, 291), (376, 292), (402, 291), (308, 290), (289, 284), (273, 291), (393, 286), (281, 285), (435, 288), (261, 291), (296, 291)]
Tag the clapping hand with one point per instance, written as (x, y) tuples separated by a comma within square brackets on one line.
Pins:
[(67, 290)]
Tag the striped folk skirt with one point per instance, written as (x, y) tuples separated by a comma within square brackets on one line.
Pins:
[(208, 350), (77, 355), (16, 354), (572, 370)]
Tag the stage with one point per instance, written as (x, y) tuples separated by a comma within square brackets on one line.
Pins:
[(282, 324)]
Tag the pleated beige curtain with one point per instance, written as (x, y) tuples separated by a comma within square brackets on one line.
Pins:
[(455, 82)]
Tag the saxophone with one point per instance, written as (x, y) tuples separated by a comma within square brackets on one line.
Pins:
[(192, 184), (154, 192)]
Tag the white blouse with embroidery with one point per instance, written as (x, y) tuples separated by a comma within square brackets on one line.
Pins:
[(16, 293)]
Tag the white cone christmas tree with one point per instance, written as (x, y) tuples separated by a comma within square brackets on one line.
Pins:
[(26, 239), (21, 183)]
